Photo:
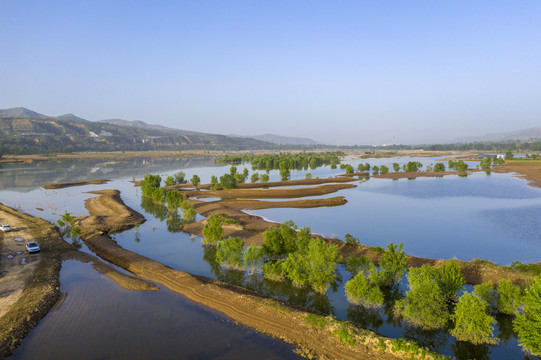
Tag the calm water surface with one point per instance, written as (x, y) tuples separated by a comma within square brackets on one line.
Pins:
[(489, 217)]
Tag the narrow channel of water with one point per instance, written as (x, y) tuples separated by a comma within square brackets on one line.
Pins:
[(99, 320)]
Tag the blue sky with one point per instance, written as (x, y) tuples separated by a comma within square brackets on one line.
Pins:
[(344, 72)]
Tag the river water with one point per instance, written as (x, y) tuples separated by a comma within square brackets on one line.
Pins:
[(482, 216)]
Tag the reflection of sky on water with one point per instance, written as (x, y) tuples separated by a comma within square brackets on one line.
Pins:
[(100, 320), (481, 216)]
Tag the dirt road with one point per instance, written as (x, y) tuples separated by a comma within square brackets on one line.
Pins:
[(16, 265)]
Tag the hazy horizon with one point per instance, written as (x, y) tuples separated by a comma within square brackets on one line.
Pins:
[(341, 73)]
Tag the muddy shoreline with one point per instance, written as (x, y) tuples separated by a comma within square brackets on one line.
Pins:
[(75, 183), (279, 319)]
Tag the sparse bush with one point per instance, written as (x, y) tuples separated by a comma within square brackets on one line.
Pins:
[(350, 240)]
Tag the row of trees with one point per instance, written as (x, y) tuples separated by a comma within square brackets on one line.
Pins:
[(281, 161), (150, 187), (433, 299), (288, 253)]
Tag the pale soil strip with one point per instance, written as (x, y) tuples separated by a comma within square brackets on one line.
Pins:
[(271, 193), (243, 306), (75, 183), (124, 281)]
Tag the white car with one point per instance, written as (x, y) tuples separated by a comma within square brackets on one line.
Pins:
[(5, 227), (32, 247)]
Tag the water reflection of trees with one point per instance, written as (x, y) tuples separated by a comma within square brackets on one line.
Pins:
[(432, 339), (364, 318), (505, 328), (466, 351), (173, 220), (279, 289)]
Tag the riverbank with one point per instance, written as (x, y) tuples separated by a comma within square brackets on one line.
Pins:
[(32, 285), (280, 319), (29, 283)]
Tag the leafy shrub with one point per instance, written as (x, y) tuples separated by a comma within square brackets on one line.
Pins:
[(393, 264), (508, 298), (361, 291), (472, 322), (350, 240), (213, 230), (425, 304), (528, 322), (450, 280), (356, 264), (486, 293), (230, 252)]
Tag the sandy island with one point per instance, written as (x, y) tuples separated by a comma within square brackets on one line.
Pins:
[(75, 183)]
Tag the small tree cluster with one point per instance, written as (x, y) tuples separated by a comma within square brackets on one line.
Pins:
[(430, 292), (213, 230), (458, 165), (528, 322)]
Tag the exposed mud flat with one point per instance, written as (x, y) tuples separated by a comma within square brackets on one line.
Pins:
[(75, 183)]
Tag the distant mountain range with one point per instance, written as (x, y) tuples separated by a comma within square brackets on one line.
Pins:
[(517, 135), (26, 131), (282, 140)]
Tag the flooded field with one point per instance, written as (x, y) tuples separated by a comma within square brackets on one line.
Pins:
[(480, 216)]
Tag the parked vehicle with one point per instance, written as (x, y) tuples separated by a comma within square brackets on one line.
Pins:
[(5, 227), (32, 247)]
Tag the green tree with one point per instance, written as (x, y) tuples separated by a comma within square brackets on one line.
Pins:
[(308, 176), (233, 170), (280, 241), (375, 170), (486, 293), (255, 177), (383, 169), (528, 322), (361, 291), (424, 304), (228, 181), (472, 321), (509, 297), (253, 257), (195, 181), (265, 178), (230, 251), (173, 199), (179, 177), (393, 264), (213, 230), (349, 169), (350, 240), (170, 181), (149, 184), (438, 167), (509, 155), (396, 167), (356, 264), (450, 280), (314, 266)]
